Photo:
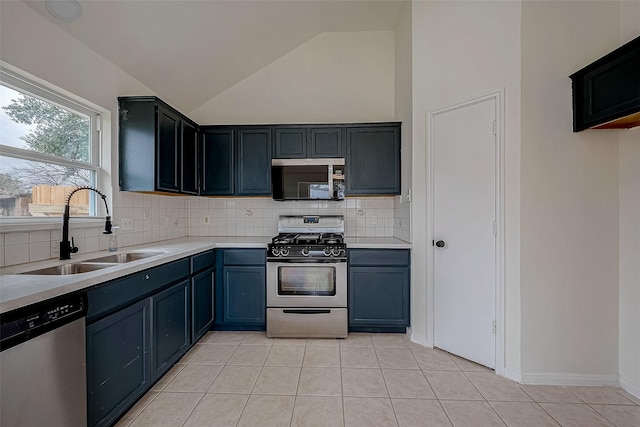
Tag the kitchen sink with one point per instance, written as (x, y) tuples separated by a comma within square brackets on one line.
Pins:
[(66, 269), (124, 257)]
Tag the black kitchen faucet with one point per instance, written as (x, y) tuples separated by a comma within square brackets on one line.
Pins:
[(67, 248)]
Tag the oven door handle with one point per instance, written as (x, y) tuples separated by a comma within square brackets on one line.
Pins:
[(286, 311)]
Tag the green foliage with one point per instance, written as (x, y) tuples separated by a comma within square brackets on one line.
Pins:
[(11, 186), (56, 130)]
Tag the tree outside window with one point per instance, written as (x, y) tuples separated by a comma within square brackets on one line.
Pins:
[(45, 151)]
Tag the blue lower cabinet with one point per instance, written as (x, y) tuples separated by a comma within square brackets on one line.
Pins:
[(202, 311), (379, 294), (240, 299), (171, 335), (118, 369), (244, 295)]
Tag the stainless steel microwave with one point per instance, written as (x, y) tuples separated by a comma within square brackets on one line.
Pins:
[(307, 179)]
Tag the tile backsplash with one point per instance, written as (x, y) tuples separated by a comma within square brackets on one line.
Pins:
[(155, 218), (370, 217)]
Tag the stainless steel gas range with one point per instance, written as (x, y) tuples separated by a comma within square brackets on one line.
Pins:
[(307, 278)]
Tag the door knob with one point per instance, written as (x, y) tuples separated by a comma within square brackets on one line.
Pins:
[(440, 243)]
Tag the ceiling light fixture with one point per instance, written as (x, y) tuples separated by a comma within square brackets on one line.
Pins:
[(64, 10)]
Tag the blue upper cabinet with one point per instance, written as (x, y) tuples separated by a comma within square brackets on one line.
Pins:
[(308, 141), (189, 158), (217, 156), (236, 161), (289, 143), (168, 150), (606, 93), (373, 159), (326, 142), (253, 162), (156, 147)]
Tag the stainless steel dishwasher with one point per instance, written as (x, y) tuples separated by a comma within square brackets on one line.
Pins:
[(42, 364)]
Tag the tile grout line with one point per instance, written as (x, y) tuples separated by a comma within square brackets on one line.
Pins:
[(344, 416), (244, 407)]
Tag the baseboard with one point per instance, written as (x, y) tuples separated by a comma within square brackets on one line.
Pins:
[(570, 379), (418, 339), (512, 374), (630, 387)]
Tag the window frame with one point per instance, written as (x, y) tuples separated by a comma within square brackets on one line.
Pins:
[(54, 95)]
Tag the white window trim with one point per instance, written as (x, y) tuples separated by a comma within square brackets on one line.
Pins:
[(22, 81)]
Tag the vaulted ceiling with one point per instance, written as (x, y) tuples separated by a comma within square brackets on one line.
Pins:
[(189, 51)]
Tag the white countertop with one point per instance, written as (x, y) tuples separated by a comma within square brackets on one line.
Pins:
[(376, 243), (19, 290)]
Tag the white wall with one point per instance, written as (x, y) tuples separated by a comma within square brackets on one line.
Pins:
[(34, 45), (463, 50), (334, 77), (629, 301), (569, 222), (403, 92)]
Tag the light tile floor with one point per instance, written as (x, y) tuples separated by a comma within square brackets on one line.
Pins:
[(366, 380)]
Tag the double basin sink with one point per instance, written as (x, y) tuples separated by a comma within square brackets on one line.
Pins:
[(94, 263)]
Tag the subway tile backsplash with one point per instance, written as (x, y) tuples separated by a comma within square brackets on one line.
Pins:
[(155, 218)]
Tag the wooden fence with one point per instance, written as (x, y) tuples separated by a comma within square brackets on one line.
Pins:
[(47, 200)]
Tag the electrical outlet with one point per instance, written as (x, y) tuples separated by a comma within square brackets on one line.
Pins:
[(374, 220), (127, 224), (206, 219)]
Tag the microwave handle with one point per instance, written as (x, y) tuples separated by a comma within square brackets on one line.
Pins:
[(331, 195)]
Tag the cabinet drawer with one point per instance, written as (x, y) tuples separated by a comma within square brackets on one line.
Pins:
[(129, 289), (202, 261), (244, 256), (379, 257)]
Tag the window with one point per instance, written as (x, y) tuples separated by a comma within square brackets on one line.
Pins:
[(49, 144)]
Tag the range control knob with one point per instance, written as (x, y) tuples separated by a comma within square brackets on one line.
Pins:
[(305, 251), (335, 251), (284, 252), (327, 251), (275, 251)]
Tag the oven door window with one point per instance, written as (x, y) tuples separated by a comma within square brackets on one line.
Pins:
[(307, 280)]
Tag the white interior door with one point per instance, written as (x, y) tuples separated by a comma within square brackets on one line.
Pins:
[(464, 220)]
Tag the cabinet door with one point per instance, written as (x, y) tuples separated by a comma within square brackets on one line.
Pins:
[(170, 327), (189, 158), (168, 151), (217, 163), (378, 296), (373, 160), (201, 303), (326, 142), (606, 93), (290, 143), (118, 369), (253, 167), (243, 295)]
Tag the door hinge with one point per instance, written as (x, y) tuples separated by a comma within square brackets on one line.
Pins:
[(495, 127), (494, 326), (495, 228)]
